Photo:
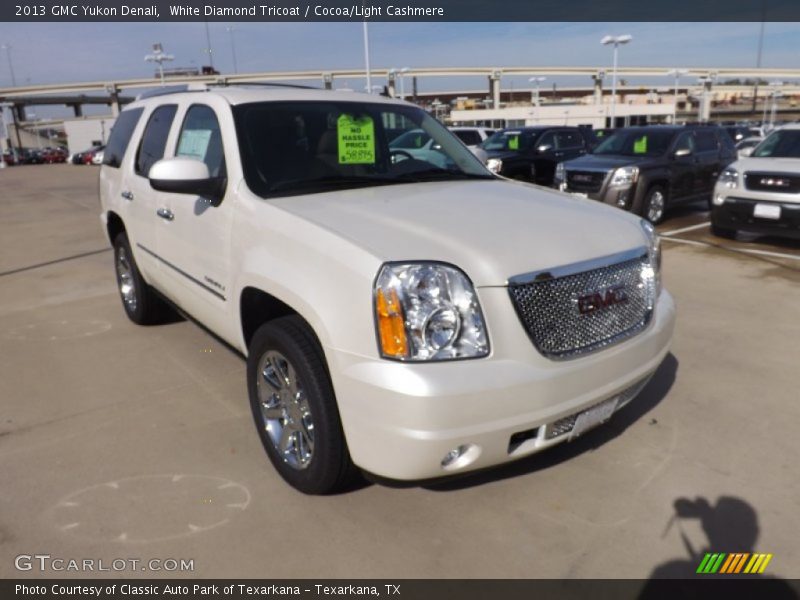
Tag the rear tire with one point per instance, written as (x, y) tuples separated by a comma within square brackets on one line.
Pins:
[(140, 302), (728, 234), (294, 408)]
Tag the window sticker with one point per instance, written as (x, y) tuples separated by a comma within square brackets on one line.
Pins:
[(513, 143), (640, 145), (194, 143), (356, 140)]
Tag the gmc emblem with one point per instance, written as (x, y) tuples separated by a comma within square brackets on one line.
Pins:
[(774, 182), (602, 299)]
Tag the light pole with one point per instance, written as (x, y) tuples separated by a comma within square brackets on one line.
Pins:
[(7, 48), (230, 30), (366, 57), (536, 82), (208, 47), (158, 56), (402, 73), (617, 41), (677, 73)]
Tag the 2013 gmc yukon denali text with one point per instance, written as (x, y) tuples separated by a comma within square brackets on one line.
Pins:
[(408, 316)]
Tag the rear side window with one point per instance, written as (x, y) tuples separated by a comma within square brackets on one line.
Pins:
[(568, 139), (154, 140), (706, 141), (120, 137)]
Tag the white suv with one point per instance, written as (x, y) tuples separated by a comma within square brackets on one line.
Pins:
[(408, 319)]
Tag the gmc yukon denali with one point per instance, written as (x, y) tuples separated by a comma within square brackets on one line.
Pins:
[(400, 317)]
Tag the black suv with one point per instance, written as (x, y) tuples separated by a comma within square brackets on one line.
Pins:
[(648, 169), (532, 153)]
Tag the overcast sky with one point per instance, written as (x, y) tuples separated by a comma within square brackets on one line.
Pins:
[(69, 52)]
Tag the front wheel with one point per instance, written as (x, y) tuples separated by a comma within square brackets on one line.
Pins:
[(654, 204), (294, 408)]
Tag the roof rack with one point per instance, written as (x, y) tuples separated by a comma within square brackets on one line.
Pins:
[(224, 83), (172, 89)]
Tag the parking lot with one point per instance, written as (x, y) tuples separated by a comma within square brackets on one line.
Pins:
[(124, 442)]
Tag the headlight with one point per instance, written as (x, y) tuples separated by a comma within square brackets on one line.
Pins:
[(494, 165), (729, 178), (625, 176), (561, 173), (428, 311), (652, 274)]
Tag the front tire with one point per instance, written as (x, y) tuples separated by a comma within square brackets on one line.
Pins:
[(294, 408), (655, 204), (140, 302)]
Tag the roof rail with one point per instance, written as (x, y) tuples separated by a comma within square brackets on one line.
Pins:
[(173, 89), (268, 84)]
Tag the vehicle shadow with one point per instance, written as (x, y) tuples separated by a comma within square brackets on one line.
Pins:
[(653, 393), (731, 527)]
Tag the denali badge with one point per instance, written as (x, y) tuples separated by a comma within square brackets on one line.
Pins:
[(775, 182), (602, 298)]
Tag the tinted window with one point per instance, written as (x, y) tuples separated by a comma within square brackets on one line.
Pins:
[(645, 142), (685, 142), (782, 143), (706, 141), (120, 136), (200, 138), (470, 138), (568, 139), (411, 140), (154, 139)]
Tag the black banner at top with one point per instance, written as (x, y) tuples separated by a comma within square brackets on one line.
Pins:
[(399, 10)]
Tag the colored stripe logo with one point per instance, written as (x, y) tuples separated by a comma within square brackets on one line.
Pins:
[(734, 563)]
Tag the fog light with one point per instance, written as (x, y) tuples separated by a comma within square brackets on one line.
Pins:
[(719, 200), (622, 199), (460, 457)]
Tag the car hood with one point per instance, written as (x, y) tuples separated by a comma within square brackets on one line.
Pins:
[(606, 162), (492, 230), (777, 165)]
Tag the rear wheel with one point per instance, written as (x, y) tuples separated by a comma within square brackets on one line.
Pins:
[(294, 408), (654, 204), (723, 232), (140, 302)]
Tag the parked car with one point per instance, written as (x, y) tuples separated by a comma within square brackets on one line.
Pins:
[(532, 153), (88, 157), (747, 145), (11, 158), (760, 193), (29, 156), (647, 170), (737, 132), (53, 155), (398, 317), (472, 138), (97, 156)]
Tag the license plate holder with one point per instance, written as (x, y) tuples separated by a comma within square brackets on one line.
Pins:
[(594, 416), (767, 211)]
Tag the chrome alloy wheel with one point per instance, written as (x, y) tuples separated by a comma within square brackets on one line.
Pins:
[(655, 208), (285, 412), (127, 285)]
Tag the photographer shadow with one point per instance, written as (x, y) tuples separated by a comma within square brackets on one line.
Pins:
[(731, 526)]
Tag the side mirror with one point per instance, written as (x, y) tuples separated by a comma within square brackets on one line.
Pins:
[(744, 152), (682, 152), (181, 175), (544, 148)]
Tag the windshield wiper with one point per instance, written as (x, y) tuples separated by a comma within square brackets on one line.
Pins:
[(437, 175), (323, 182)]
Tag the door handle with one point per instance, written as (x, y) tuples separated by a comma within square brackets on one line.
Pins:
[(165, 213), (127, 195)]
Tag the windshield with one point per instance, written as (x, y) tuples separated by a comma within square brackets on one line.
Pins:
[(635, 143), (513, 140), (779, 144), (298, 147)]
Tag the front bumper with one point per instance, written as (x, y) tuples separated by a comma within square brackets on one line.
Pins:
[(737, 212), (401, 420), (621, 196)]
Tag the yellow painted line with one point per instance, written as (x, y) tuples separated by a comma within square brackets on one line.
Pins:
[(757, 564), (752, 562), (765, 563)]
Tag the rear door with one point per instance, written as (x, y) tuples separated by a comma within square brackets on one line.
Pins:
[(143, 222), (707, 160), (569, 144), (682, 168)]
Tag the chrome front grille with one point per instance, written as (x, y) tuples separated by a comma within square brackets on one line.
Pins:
[(574, 310), (780, 183), (585, 181)]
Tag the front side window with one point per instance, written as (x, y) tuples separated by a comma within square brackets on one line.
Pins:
[(514, 140), (292, 148), (780, 144), (706, 141), (120, 136), (200, 138), (635, 143), (154, 140), (568, 139)]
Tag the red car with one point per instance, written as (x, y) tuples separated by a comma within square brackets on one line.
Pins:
[(53, 155)]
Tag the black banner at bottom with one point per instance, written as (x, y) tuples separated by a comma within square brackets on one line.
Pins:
[(729, 588)]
